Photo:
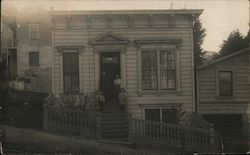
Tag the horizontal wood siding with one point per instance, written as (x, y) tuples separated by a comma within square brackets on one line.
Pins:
[(87, 75), (207, 90)]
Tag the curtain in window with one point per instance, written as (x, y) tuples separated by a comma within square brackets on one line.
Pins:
[(167, 69), (71, 72), (149, 70), (225, 83)]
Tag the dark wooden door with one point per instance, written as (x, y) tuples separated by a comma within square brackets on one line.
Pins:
[(109, 68)]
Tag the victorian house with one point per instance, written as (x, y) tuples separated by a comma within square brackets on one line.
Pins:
[(152, 53)]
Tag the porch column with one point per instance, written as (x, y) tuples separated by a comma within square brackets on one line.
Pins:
[(123, 69), (97, 70)]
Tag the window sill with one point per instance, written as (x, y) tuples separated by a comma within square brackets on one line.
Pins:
[(159, 92)]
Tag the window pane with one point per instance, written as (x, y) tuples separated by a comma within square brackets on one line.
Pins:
[(33, 58), (167, 61), (152, 115), (169, 115), (225, 83), (149, 70), (34, 30), (164, 69), (71, 72)]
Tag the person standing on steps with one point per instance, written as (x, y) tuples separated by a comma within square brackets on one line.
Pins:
[(122, 99), (100, 100), (117, 87)]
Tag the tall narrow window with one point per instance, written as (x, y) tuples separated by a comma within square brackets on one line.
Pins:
[(34, 31), (225, 83), (71, 72), (34, 58), (149, 70), (167, 69)]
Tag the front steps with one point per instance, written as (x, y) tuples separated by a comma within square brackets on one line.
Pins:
[(114, 123)]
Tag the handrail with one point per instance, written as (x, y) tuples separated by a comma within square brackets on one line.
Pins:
[(170, 132)]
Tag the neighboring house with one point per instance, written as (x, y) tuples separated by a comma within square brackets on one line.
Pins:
[(34, 48), (223, 88), (8, 42), (152, 52)]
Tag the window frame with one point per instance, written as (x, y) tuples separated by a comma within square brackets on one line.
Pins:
[(71, 92), (38, 60), (159, 47), (38, 31), (161, 111), (218, 83)]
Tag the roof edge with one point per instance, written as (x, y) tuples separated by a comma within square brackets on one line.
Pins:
[(223, 58), (89, 12)]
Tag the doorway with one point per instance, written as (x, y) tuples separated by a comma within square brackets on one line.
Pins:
[(109, 69)]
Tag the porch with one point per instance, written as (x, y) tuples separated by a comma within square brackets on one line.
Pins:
[(112, 125)]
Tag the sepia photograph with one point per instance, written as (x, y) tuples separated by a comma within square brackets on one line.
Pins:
[(125, 77)]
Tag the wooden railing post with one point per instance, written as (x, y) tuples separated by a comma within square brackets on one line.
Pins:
[(131, 135), (98, 126), (45, 117), (212, 138)]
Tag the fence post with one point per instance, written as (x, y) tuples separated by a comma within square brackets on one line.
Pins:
[(98, 126), (212, 137), (45, 117), (131, 134)]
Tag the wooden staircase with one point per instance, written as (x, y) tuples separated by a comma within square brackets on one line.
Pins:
[(114, 123)]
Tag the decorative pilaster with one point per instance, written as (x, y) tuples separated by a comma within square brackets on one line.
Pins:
[(109, 21), (68, 22), (131, 21), (89, 21), (151, 20), (171, 20), (97, 70), (123, 69), (139, 70)]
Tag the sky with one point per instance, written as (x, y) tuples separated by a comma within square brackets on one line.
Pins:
[(219, 18)]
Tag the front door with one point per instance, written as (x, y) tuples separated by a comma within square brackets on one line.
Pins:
[(109, 68)]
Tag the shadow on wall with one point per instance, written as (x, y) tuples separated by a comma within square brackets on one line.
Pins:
[(38, 80)]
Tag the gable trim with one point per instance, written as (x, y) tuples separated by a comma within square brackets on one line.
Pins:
[(120, 39), (223, 58)]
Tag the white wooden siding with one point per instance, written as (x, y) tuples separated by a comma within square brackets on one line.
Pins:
[(208, 99), (82, 37)]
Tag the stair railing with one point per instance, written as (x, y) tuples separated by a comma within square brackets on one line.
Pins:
[(171, 133), (72, 120)]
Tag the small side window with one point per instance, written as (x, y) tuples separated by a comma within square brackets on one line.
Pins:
[(225, 83), (34, 58), (33, 31)]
